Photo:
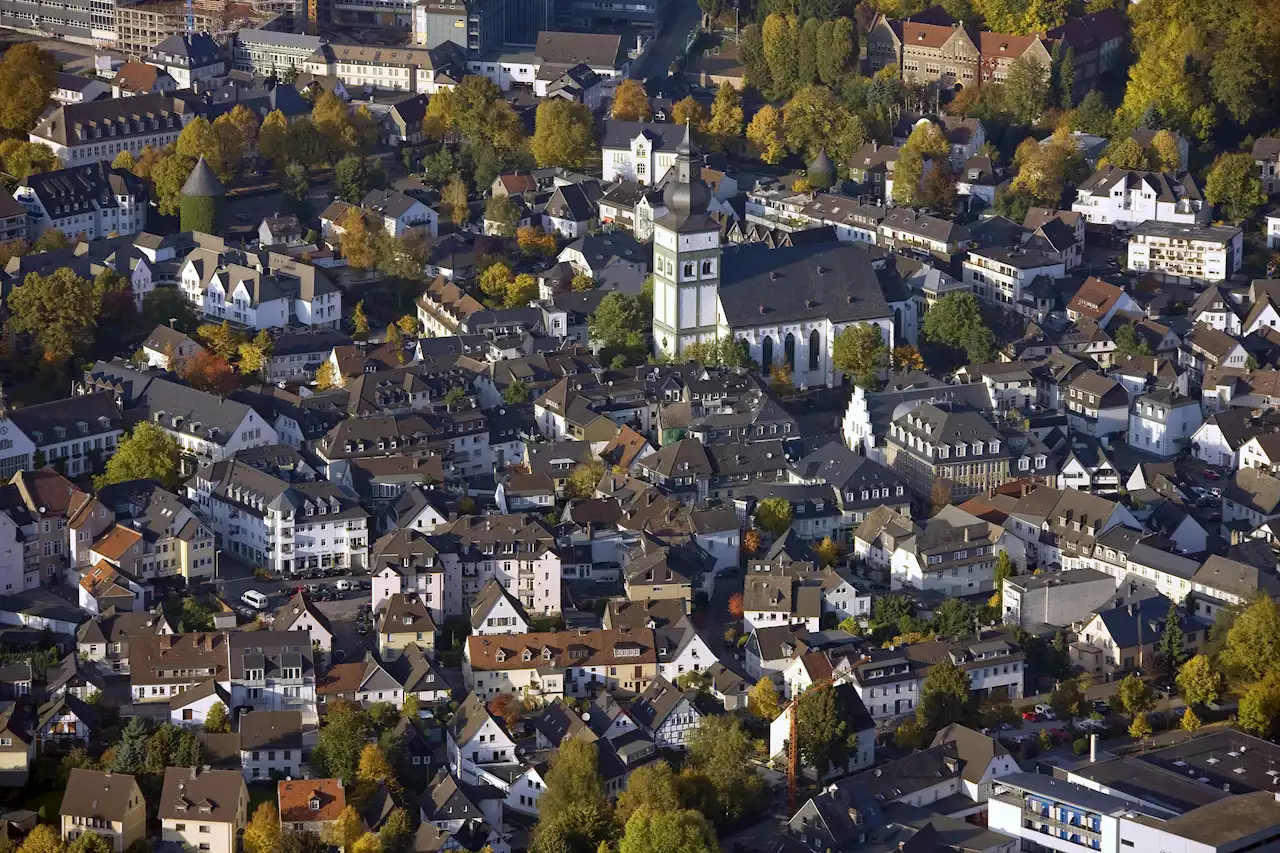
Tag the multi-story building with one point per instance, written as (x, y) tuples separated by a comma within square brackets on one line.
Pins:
[(1000, 275), (933, 442), (951, 55), (143, 24), (145, 530), (206, 427), (76, 434), (105, 638), (1097, 405), (273, 744), (190, 59), (283, 526), (90, 22), (1124, 198), (100, 130), (1187, 254), (92, 202), (38, 504), (270, 52), (108, 804), (903, 228), (954, 554), (202, 809), (258, 291), (164, 665), (1162, 423), (517, 550), (419, 70), (13, 219), (272, 671), (638, 151), (567, 663)]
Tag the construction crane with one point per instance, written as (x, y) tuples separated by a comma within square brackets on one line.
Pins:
[(793, 743)]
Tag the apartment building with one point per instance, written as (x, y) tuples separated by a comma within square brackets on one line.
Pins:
[(143, 24), (38, 505), (99, 130), (88, 22), (1163, 423), (566, 663), (257, 290), (273, 671), (93, 201), (516, 550), (163, 666), (143, 529), (1124, 198), (946, 441), (952, 55), (284, 526), (105, 803), (269, 52), (190, 59), (106, 637), (417, 70), (76, 434), (1001, 275), (903, 228), (1186, 254), (202, 809), (274, 744)]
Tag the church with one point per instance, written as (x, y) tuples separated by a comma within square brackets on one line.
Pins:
[(788, 304)]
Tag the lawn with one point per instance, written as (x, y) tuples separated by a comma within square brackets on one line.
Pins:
[(259, 793)]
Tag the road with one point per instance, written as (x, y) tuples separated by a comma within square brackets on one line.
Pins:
[(683, 16)]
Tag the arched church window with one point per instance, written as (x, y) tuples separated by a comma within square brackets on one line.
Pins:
[(815, 346), (789, 351), (708, 267), (766, 353)]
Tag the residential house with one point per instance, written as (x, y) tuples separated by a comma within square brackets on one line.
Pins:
[(203, 809), (1163, 423), (570, 663), (272, 744), (109, 804), (666, 713), (310, 805)]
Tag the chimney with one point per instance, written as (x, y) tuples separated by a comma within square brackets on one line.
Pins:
[(166, 641), (966, 534)]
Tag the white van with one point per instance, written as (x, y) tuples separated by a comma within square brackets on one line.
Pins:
[(343, 585), (255, 599)]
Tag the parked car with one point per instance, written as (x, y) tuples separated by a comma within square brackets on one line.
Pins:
[(1210, 474), (1101, 707), (1046, 712), (1058, 733), (1031, 716)]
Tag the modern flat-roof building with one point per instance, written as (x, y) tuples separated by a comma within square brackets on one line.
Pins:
[(1187, 254)]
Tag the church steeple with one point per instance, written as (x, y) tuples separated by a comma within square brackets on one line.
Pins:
[(686, 257)]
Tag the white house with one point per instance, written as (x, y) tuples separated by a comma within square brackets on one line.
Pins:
[(93, 200), (1128, 197), (191, 707), (475, 739), (397, 213), (859, 722), (99, 130), (666, 713), (250, 290), (638, 151), (1162, 423), (299, 614), (1189, 254), (496, 611)]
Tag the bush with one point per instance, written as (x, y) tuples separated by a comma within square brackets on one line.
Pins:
[(1080, 746)]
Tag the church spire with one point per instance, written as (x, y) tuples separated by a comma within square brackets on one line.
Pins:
[(686, 195)]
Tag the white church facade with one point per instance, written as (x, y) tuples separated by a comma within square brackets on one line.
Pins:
[(788, 304)]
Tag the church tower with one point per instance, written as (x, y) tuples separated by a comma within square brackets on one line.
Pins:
[(686, 258)]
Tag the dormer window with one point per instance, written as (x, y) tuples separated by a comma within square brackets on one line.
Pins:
[(315, 804)]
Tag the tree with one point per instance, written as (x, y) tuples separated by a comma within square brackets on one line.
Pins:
[(822, 727), (774, 515), (908, 172), (720, 755), (168, 176), (1233, 184), (1026, 89), (564, 134), (90, 842), (535, 241), (256, 354), (332, 120), (735, 605), (516, 393), (779, 37), (521, 290), (815, 119), (754, 64), (1067, 698), (1004, 571), (938, 192), (860, 351), (198, 139), (1093, 115), (23, 159), (726, 116), (1126, 154), (501, 216), (341, 740), (1252, 648), (494, 280), (215, 721), (1198, 682), (582, 283), (631, 102), (583, 479), (1166, 155), (59, 311), (807, 52), (763, 700), (262, 833), (454, 198), (1043, 170), (1260, 708), (346, 828), (370, 842), (837, 45), (210, 372), (1134, 695), (1190, 722), (827, 551), (682, 830), (765, 133), (1171, 650), (295, 189), (651, 786), (147, 452), (619, 323), (355, 241), (689, 111), (1140, 728), (354, 176), (751, 542), (396, 340), (375, 767), (956, 321), (574, 791), (359, 322), (220, 338), (326, 376), (396, 831), (953, 618), (944, 697), (273, 136), (1129, 344), (26, 85), (44, 838), (909, 735)]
